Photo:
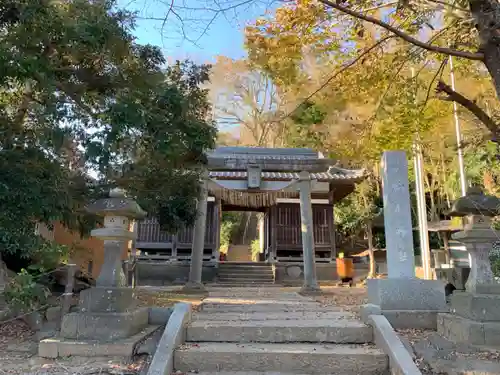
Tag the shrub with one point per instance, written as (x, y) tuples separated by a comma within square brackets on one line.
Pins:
[(23, 293)]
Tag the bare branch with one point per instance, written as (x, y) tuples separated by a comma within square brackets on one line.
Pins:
[(481, 115), (403, 35), (438, 74)]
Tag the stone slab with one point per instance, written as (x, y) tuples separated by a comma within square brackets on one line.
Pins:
[(281, 331), (103, 326), (478, 307), (159, 315), (173, 336), (251, 373), (462, 330), (102, 299), (416, 319), (400, 359), (297, 315), (60, 347), (291, 358), (249, 305), (488, 289), (447, 357), (407, 294)]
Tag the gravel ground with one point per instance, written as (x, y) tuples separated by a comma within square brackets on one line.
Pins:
[(18, 346), (450, 355), (350, 299)]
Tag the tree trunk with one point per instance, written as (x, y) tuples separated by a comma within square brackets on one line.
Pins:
[(369, 234), (486, 14)]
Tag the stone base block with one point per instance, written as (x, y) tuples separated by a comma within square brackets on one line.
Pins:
[(102, 299), (477, 307), (104, 327), (61, 347), (407, 294), (402, 319), (462, 330), (416, 319)]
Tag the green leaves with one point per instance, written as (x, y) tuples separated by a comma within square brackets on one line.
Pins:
[(78, 94)]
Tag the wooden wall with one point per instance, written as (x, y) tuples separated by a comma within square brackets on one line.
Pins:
[(286, 227), (148, 232)]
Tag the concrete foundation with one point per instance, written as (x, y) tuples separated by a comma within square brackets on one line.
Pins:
[(474, 317), (104, 327), (293, 273), (406, 294), (60, 347), (406, 303), (160, 273)]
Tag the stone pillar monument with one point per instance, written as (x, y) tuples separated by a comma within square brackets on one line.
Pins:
[(397, 216), (407, 302), (310, 281), (108, 312), (196, 268), (475, 314)]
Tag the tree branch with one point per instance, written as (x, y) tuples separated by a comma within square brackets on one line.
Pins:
[(403, 35), (481, 115)]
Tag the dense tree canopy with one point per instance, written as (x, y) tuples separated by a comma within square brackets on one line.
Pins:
[(78, 94)]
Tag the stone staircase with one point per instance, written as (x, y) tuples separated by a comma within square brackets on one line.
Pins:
[(245, 274), (269, 336)]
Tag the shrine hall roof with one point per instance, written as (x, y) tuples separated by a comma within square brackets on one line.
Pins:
[(276, 164), (241, 152), (333, 174)]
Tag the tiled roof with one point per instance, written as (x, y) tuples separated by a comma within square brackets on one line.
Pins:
[(263, 153), (334, 173)]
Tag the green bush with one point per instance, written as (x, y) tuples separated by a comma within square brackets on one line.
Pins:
[(230, 222), (255, 246), (24, 294), (48, 256)]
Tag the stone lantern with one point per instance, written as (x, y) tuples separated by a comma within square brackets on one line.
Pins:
[(108, 312), (478, 235), (117, 211), (474, 315)]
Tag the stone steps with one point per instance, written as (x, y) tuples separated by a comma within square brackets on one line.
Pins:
[(287, 358), (276, 333), (249, 273), (245, 264), (244, 306), (330, 314), (233, 284), (281, 331), (245, 274)]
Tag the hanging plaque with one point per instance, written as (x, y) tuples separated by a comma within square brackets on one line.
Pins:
[(253, 175)]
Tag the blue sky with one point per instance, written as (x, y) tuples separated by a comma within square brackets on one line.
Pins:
[(223, 36)]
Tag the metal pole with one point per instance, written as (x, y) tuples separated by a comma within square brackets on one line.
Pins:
[(461, 166), (421, 204), (422, 213)]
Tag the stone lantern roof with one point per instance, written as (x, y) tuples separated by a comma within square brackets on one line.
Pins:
[(475, 202), (118, 204)]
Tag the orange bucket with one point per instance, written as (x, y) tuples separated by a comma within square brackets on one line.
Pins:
[(345, 268)]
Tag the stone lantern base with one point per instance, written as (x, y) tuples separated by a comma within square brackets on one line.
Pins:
[(474, 317), (108, 322), (105, 314)]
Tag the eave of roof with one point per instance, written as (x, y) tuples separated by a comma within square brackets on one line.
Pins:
[(333, 174)]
